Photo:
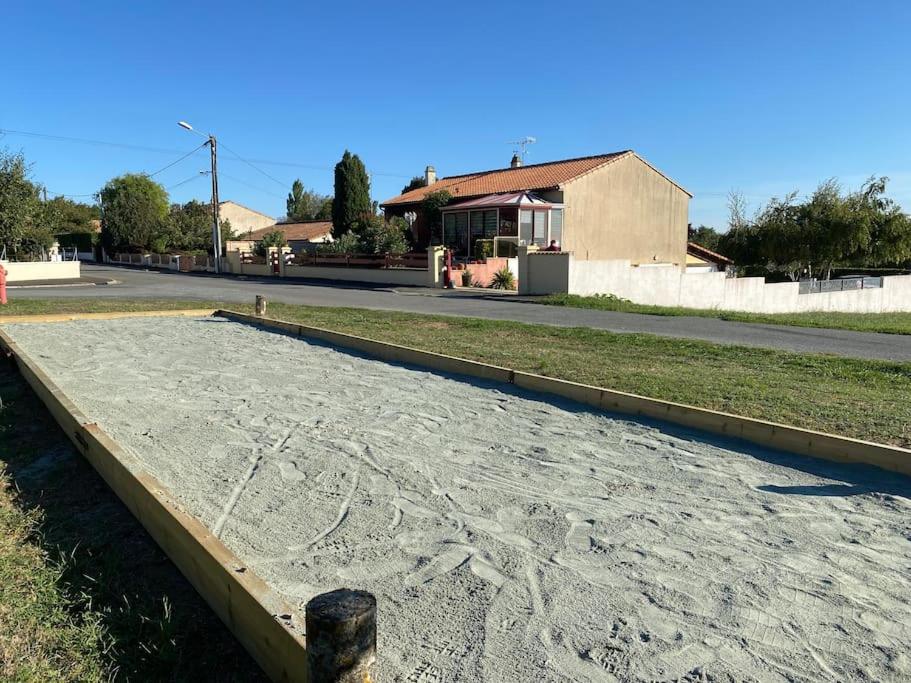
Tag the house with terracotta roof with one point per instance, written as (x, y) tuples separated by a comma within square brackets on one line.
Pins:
[(603, 207), (701, 259)]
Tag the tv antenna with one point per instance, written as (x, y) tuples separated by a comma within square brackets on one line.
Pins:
[(521, 146)]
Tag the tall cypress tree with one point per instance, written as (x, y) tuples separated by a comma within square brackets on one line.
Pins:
[(352, 194)]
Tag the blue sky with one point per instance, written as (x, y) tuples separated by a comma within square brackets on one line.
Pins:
[(761, 97)]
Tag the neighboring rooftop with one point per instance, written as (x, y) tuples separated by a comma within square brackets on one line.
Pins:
[(247, 208), (305, 230), (707, 254), (546, 176)]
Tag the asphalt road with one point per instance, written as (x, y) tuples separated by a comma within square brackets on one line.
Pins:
[(169, 285)]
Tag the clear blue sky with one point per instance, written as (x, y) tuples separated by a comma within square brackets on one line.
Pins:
[(761, 97)]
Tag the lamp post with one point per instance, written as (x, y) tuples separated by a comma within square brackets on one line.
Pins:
[(216, 225)]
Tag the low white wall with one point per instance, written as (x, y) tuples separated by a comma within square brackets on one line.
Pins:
[(671, 286), (23, 271)]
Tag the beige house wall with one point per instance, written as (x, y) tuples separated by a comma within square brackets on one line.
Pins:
[(626, 210), (243, 220)]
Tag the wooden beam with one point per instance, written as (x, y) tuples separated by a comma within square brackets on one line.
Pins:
[(107, 315), (270, 630)]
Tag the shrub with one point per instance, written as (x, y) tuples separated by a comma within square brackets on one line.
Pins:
[(466, 278), (276, 238), (379, 236), (349, 243), (503, 279), (483, 249)]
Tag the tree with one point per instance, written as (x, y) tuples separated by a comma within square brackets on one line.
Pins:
[(416, 182), (276, 238), (379, 236), (307, 205), (134, 213), (26, 223), (351, 202), (705, 236), (431, 211), (75, 216)]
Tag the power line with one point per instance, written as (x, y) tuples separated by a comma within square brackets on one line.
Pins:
[(191, 178), (254, 187), (174, 163), (159, 150), (254, 167)]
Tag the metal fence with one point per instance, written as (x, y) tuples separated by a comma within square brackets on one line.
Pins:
[(847, 284)]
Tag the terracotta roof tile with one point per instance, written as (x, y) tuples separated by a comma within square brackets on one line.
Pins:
[(306, 230), (544, 176), (707, 254)]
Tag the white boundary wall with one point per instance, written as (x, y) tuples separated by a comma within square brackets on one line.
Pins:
[(547, 273), (23, 271)]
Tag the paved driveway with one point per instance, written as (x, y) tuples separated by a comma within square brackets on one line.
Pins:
[(168, 285)]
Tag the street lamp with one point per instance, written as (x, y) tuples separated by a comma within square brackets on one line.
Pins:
[(216, 225)]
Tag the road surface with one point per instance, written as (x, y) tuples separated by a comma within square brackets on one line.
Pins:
[(134, 283)]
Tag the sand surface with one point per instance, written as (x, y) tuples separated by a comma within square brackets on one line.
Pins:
[(507, 536)]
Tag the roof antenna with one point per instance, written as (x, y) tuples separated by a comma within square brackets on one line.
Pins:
[(521, 146)]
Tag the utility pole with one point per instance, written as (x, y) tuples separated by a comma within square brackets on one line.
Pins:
[(216, 225)]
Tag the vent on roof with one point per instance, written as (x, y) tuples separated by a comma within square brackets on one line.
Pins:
[(516, 161)]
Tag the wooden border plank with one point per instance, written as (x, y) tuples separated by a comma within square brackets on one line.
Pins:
[(106, 315), (270, 630), (763, 433)]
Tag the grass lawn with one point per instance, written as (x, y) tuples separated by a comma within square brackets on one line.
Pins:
[(889, 323), (85, 594)]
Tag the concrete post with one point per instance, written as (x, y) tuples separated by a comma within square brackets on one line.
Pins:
[(435, 265), (281, 255), (260, 306), (341, 636), (524, 273)]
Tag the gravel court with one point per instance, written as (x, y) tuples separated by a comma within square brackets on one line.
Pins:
[(507, 535)]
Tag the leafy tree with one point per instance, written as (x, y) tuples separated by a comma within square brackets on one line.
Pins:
[(705, 236), (431, 212), (351, 202), (349, 243), (378, 236), (416, 182), (26, 223), (307, 205), (276, 238), (190, 227), (134, 213), (75, 216)]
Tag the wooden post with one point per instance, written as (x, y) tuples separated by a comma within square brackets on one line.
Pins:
[(260, 305), (341, 636)]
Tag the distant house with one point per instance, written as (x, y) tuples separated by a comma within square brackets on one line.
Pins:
[(298, 235), (244, 220), (700, 259), (609, 206)]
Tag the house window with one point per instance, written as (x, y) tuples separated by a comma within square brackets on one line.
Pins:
[(449, 230), (540, 228), (525, 224), (556, 226), (509, 222)]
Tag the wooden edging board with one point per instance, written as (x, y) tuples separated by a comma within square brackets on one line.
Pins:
[(270, 630), (767, 434), (107, 315)]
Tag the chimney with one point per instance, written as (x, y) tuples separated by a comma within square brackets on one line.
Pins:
[(516, 161), (430, 175)]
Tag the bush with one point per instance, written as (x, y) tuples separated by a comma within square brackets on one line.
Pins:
[(276, 238), (503, 279), (378, 236), (349, 243), (483, 249)]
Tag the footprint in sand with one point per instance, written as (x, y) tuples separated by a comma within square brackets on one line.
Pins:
[(290, 473)]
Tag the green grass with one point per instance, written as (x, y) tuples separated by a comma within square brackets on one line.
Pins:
[(864, 399), (889, 323), (85, 594)]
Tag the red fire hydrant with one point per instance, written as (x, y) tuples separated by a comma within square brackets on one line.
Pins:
[(2, 285), (447, 270)]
